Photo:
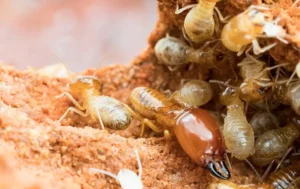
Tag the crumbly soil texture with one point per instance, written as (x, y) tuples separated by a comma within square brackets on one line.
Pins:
[(37, 152)]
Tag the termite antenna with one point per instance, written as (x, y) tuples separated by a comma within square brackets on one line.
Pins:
[(100, 171), (139, 163), (226, 83), (253, 168)]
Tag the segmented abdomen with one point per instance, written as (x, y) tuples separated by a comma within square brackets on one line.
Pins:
[(285, 177), (238, 134), (113, 113), (149, 102)]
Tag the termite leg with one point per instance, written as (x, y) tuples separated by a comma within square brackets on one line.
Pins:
[(73, 110), (228, 161), (167, 134), (99, 118), (180, 10), (144, 121), (253, 168), (221, 18), (258, 50), (138, 162), (284, 157), (70, 97), (173, 68)]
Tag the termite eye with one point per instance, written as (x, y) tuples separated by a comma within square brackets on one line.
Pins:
[(220, 57)]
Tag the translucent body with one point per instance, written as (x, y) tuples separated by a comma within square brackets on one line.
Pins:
[(195, 129), (199, 23), (109, 111), (195, 93), (256, 81), (242, 29), (289, 95), (173, 52), (263, 121), (238, 134), (273, 144)]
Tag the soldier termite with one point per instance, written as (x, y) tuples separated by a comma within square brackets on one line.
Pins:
[(244, 28), (127, 178), (172, 51), (194, 93), (108, 111), (196, 130)]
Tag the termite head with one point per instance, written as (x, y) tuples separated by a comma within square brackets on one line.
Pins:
[(201, 138), (84, 83), (252, 92), (229, 96)]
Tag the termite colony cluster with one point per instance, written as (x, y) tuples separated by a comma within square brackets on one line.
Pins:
[(255, 117)]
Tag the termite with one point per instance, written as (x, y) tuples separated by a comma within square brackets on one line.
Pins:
[(196, 130), (285, 178), (172, 51), (194, 93), (257, 79), (199, 24), (289, 94), (244, 28), (274, 144), (127, 178), (108, 111), (238, 133), (263, 121)]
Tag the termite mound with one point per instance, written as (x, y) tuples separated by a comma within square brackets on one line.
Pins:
[(41, 146)]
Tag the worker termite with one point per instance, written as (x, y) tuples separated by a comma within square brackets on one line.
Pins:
[(199, 23), (238, 134), (274, 144), (109, 111), (244, 28), (172, 51), (194, 93), (127, 178), (289, 94), (263, 121), (195, 129), (282, 179)]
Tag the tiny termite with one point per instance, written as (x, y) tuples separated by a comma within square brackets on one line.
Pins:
[(194, 93), (195, 129), (108, 111), (257, 79), (263, 121), (286, 178), (274, 144), (127, 178), (244, 28), (172, 51)]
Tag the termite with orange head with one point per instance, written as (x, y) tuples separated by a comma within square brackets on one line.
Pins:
[(244, 28), (196, 130), (108, 111)]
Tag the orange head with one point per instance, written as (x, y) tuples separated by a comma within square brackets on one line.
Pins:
[(84, 83)]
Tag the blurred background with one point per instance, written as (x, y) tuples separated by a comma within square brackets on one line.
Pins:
[(80, 33)]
